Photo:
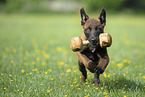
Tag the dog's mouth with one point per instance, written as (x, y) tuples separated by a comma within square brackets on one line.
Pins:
[(93, 45)]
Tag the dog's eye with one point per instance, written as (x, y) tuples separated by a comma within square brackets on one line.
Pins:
[(88, 29), (100, 30), (96, 28)]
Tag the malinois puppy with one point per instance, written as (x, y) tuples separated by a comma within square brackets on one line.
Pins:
[(93, 57)]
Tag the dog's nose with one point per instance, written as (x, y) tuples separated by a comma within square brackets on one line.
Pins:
[(94, 40)]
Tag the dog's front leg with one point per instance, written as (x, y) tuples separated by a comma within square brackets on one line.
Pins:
[(100, 69), (89, 64), (102, 64), (96, 79)]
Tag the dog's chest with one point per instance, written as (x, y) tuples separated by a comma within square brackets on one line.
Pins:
[(91, 53)]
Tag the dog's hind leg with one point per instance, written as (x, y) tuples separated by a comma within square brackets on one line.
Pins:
[(96, 79), (83, 71)]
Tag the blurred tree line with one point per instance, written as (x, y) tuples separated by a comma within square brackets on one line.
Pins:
[(92, 5), (116, 4)]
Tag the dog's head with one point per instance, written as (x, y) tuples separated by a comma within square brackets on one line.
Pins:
[(93, 27)]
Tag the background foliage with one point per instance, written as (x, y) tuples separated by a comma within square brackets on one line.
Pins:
[(91, 5)]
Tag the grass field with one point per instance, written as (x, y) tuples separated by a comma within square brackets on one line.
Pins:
[(36, 60)]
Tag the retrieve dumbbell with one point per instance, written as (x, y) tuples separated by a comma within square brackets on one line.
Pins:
[(76, 43)]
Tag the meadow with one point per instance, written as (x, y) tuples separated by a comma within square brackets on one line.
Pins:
[(36, 60)]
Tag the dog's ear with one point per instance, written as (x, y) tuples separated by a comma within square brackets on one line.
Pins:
[(84, 16), (102, 16)]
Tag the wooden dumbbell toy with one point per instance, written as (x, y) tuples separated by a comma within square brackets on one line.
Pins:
[(76, 43)]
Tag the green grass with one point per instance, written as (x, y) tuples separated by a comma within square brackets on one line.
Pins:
[(36, 60)]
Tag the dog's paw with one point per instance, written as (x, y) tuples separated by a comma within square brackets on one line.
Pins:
[(99, 70), (91, 67)]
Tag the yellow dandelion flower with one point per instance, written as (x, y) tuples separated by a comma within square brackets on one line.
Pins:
[(18, 90), (68, 70), (12, 80), (75, 82), (48, 91), (78, 88), (49, 70), (88, 85), (77, 85), (65, 95), (93, 84), (125, 61), (43, 63), (74, 70), (2, 74), (124, 74), (20, 48), (136, 66), (46, 56), (5, 88), (96, 88), (109, 75), (140, 74), (63, 85), (45, 94), (119, 64), (33, 63), (104, 93), (10, 75), (22, 70), (41, 84), (113, 73), (124, 92), (102, 88), (35, 90), (35, 69), (45, 72), (71, 85), (61, 63), (52, 79), (12, 61), (129, 61), (104, 75), (27, 74), (124, 96), (58, 49), (86, 82), (38, 59), (21, 92), (14, 51), (125, 85), (143, 77), (30, 73)]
